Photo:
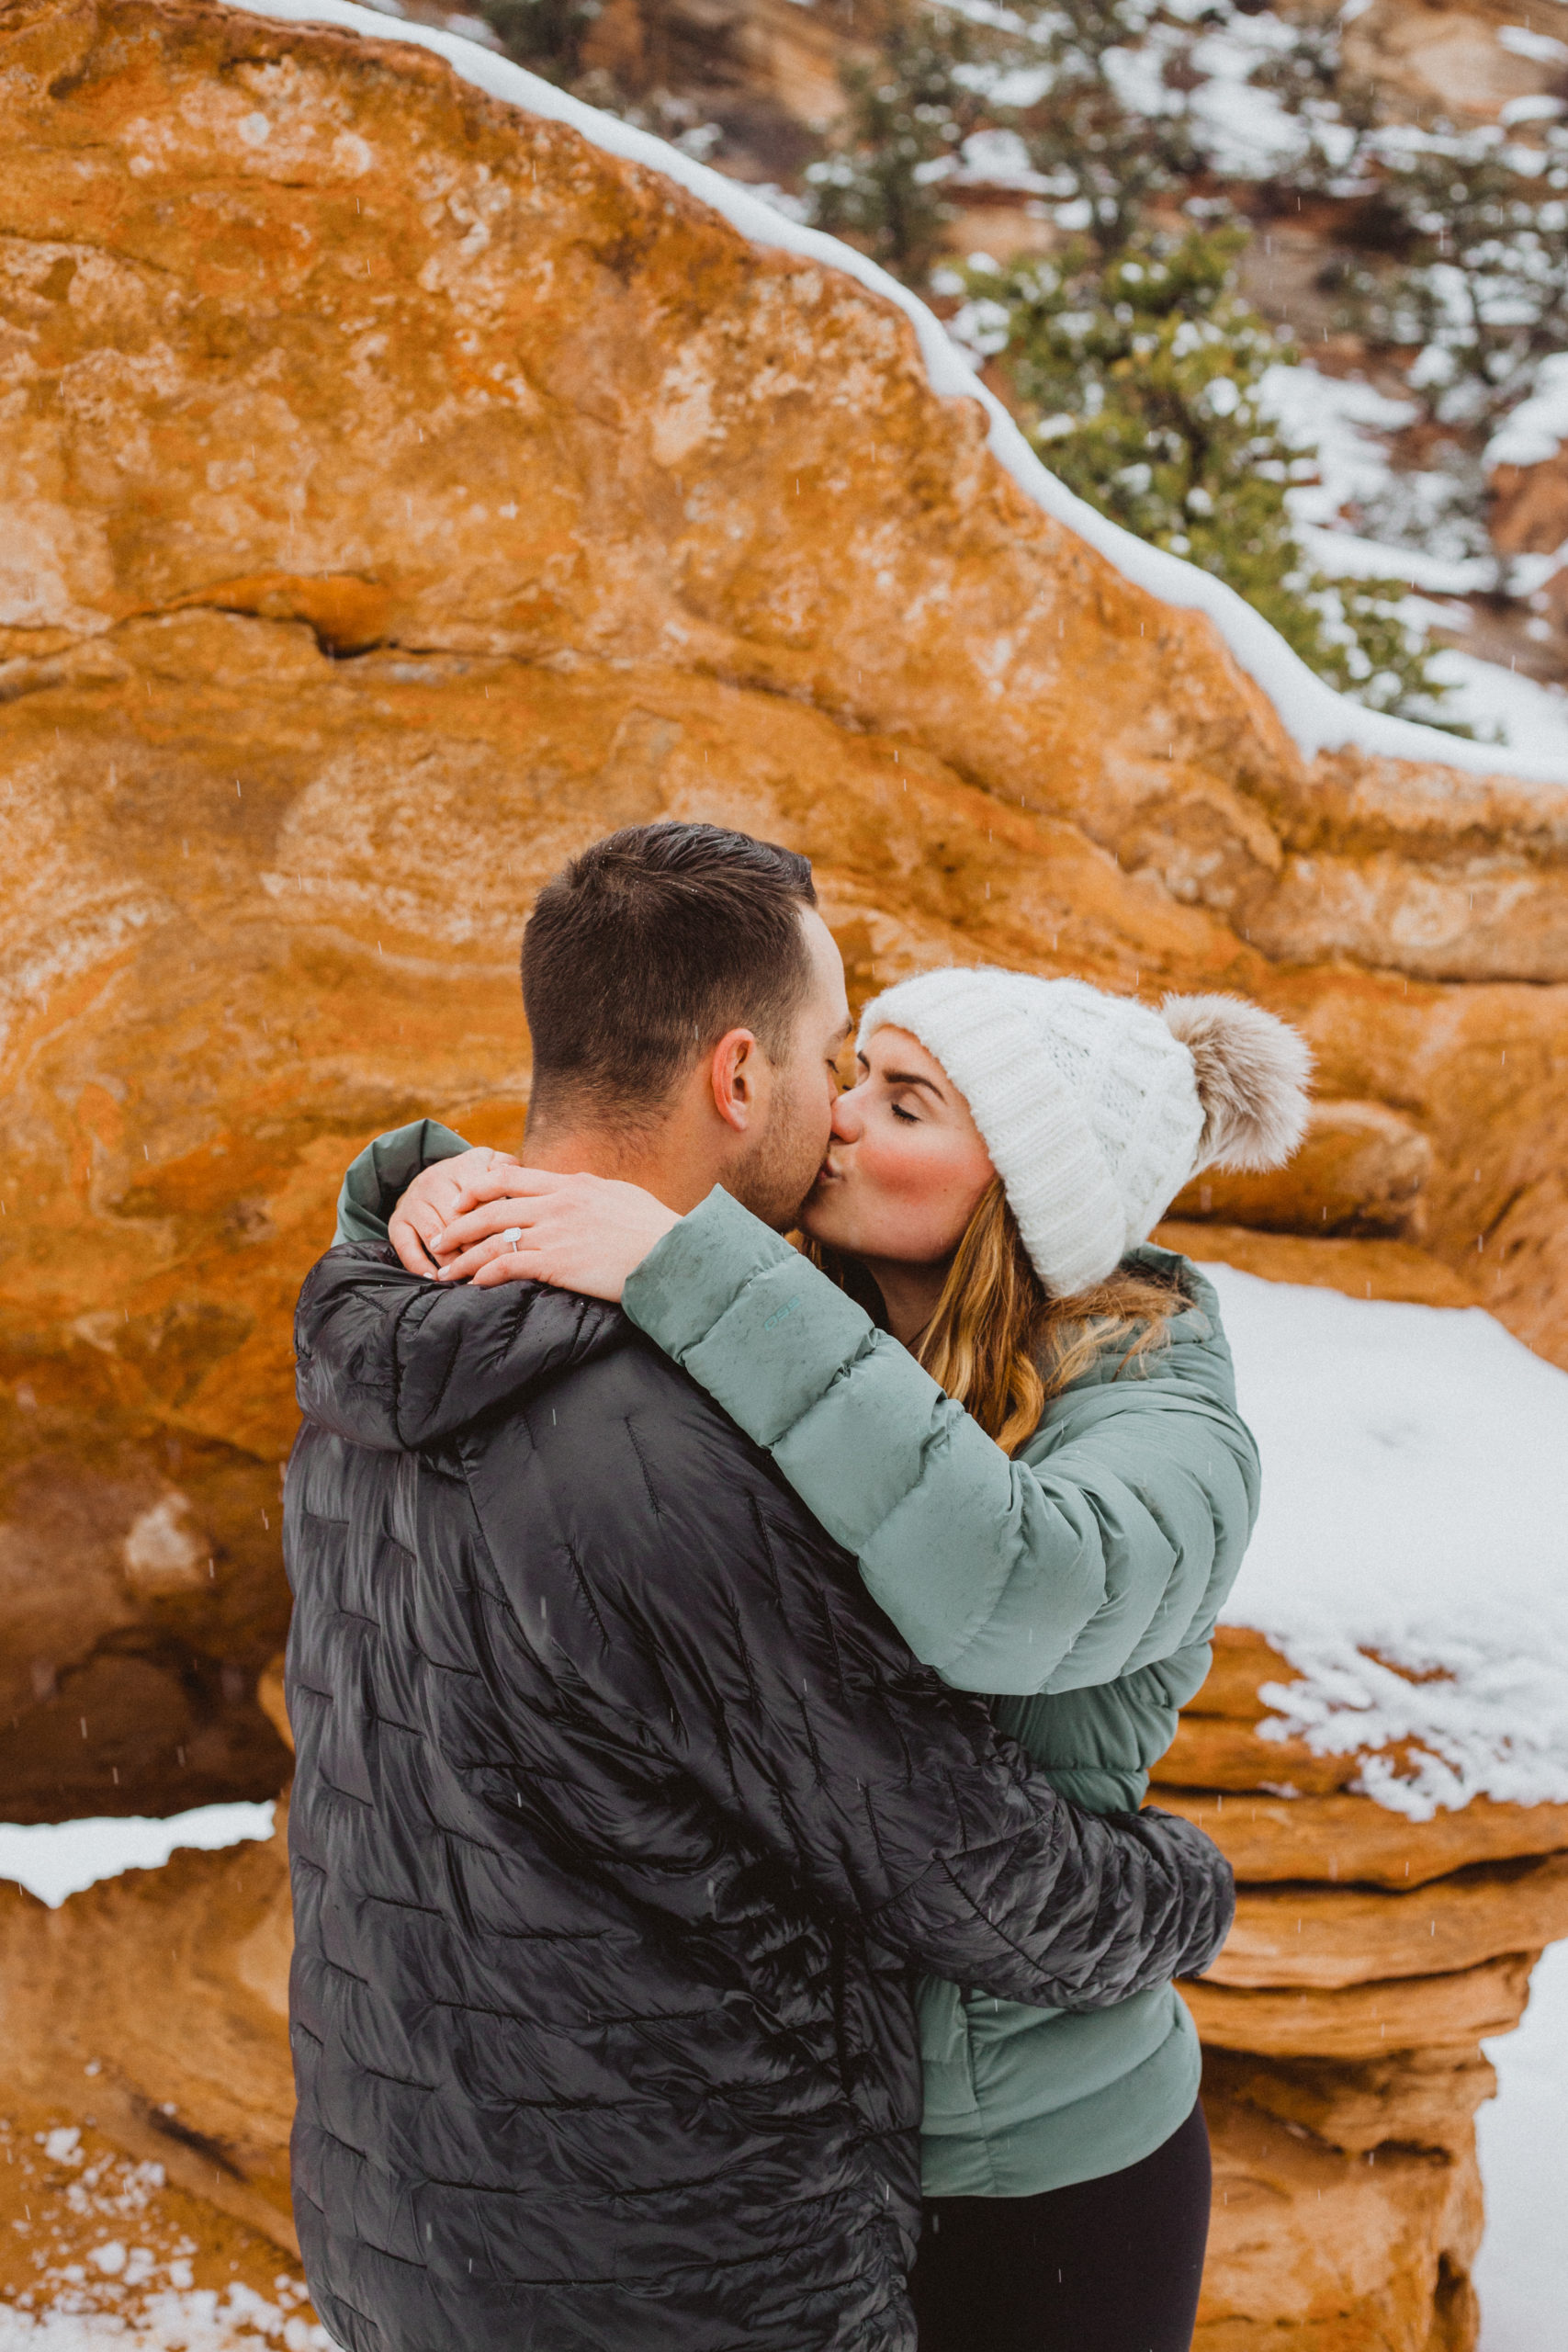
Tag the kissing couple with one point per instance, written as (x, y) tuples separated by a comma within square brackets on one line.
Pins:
[(726, 1670)]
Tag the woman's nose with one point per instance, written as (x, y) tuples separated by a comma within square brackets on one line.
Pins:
[(847, 1124)]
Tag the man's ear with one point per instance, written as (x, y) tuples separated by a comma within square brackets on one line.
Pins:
[(738, 1077)]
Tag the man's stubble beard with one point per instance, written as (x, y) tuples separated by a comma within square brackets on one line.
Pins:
[(773, 1176)]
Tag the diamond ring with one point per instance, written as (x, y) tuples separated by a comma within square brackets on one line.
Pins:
[(513, 1236)]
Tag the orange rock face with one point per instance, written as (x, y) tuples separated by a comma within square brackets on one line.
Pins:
[(158, 2003), (1450, 55), (72, 2198), (1360, 1169), (1365, 2021), (1309, 2252), (1348, 1839), (398, 493), (1342, 2026)]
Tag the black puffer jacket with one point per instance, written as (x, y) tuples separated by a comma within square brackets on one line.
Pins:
[(621, 1817)]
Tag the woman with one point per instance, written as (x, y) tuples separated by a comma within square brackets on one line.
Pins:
[(1064, 1541)]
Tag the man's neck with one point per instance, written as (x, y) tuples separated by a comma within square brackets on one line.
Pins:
[(661, 1158)]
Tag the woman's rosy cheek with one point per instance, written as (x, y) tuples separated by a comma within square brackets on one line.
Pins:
[(893, 1162)]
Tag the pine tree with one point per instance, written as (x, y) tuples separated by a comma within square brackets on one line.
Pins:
[(1455, 269), (906, 116), (1142, 376), (1110, 161), (1479, 283), (545, 35)]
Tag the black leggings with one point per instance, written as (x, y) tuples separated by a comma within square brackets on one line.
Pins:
[(1106, 2265)]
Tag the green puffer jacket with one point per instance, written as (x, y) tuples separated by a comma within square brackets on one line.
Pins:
[(1078, 1582)]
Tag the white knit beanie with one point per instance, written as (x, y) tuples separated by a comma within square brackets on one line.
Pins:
[(1095, 1109)]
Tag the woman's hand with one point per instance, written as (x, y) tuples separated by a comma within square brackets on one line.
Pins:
[(430, 1203), (581, 1233)]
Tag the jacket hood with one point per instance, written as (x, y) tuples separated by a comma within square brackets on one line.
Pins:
[(391, 1360)]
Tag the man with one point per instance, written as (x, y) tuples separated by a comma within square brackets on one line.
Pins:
[(622, 1816)]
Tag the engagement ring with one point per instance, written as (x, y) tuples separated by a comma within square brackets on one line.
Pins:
[(513, 1236)]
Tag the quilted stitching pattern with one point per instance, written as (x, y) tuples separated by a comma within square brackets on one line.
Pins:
[(621, 1817)]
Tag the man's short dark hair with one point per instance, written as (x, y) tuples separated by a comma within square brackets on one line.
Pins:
[(646, 949)]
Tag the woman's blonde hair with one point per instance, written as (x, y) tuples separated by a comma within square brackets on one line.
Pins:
[(999, 1345)]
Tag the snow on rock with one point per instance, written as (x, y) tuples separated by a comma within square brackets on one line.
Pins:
[(1248, 132), (1343, 555), (1541, 49), (1412, 1556), (56, 1859), (1498, 703), (1537, 428), (1344, 420), (196, 2319), (1317, 718)]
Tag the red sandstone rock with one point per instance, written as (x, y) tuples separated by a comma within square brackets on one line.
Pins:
[(1362, 1169), (431, 495), (1331, 1936), (1213, 1752), (1313, 2251), (402, 494), (1346, 1839), (1415, 2098), (172, 1987), (1361, 2021)]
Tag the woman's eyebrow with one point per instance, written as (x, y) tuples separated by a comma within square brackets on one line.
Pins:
[(911, 1078)]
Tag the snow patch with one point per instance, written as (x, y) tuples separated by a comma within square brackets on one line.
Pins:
[(1522, 713), (1521, 2272), (1248, 132), (1336, 415), (999, 159), (1341, 555), (1541, 49), (195, 2320), (1538, 427), (56, 1859), (1411, 1560), (1437, 552), (1318, 718)]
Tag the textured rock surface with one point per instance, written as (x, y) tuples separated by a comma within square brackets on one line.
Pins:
[(1362, 1168), (1348, 1839), (159, 2001), (1325, 1936), (1342, 2025), (396, 493), (1361, 2021), (1312, 2253), (1424, 2100), (88, 2229), (1362, 1269), (1211, 1752)]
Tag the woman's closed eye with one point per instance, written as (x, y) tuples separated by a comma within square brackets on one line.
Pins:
[(909, 1118)]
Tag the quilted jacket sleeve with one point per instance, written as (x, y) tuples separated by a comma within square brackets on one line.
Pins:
[(689, 1606), (383, 1173), (1108, 1545)]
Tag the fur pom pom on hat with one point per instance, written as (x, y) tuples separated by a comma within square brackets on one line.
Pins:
[(1095, 1109), (1251, 1073)]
